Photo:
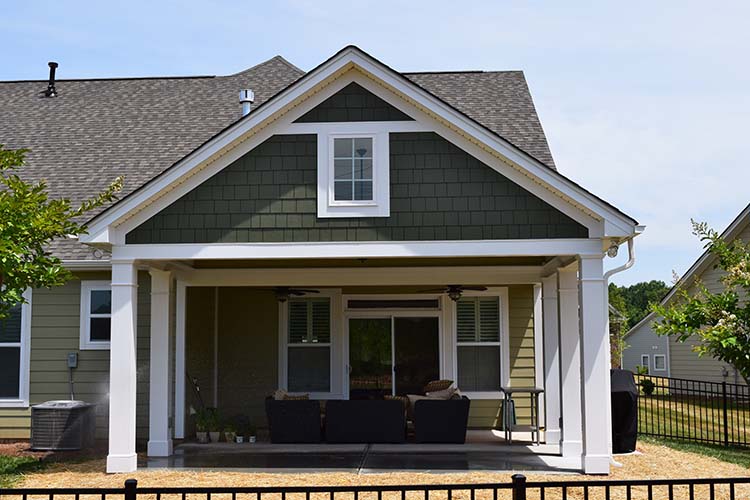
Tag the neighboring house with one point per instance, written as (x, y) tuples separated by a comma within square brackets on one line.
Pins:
[(376, 189), (665, 356)]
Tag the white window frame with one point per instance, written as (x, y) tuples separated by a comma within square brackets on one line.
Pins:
[(379, 206), (24, 366), (664, 357), (648, 362), (502, 294), (334, 346), (88, 286)]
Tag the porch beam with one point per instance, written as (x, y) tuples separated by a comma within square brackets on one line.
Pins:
[(551, 339), (358, 276), (160, 433), (571, 444), (595, 367), (122, 368), (358, 250)]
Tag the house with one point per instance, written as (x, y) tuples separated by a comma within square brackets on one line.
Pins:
[(664, 356), (267, 245)]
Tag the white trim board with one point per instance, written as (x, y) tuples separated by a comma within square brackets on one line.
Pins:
[(358, 250), (25, 357), (111, 226)]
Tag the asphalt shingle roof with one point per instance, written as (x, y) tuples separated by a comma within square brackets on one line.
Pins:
[(98, 129)]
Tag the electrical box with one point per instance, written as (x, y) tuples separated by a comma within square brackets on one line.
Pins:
[(72, 360)]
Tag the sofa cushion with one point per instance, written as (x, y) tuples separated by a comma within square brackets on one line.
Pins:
[(444, 394)]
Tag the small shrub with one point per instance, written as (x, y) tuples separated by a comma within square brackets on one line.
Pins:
[(647, 386)]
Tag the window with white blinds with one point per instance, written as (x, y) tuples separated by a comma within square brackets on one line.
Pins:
[(478, 343), (309, 345)]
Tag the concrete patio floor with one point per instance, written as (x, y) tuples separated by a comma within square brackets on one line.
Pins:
[(483, 451)]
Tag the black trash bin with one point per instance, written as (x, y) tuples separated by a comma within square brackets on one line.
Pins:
[(624, 411)]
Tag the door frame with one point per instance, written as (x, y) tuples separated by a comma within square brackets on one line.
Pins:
[(391, 313)]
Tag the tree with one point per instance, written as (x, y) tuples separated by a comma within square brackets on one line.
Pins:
[(721, 321), (29, 221), (639, 297)]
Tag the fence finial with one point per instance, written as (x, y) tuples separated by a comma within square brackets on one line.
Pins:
[(131, 486)]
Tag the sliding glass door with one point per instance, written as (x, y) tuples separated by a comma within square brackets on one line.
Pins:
[(392, 355)]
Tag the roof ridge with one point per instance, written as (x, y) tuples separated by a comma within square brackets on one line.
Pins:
[(115, 78), (467, 71), (274, 58)]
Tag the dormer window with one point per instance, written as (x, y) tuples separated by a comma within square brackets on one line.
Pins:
[(353, 172)]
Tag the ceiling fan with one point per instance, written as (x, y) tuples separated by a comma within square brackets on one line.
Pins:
[(455, 291), (284, 292)]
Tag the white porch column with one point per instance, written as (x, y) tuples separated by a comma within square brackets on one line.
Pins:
[(595, 369), (122, 368), (551, 338), (571, 444), (160, 434)]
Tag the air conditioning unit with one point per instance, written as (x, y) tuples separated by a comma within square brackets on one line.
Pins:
[(62, 425)]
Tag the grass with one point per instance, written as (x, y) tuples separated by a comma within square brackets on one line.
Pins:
[(12, 469), (732, 455)]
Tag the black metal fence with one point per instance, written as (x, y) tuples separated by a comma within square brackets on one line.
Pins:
[(691, 410), (518, 489)]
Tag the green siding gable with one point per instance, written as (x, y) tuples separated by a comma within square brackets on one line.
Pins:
[(438, 192), (353, 103)]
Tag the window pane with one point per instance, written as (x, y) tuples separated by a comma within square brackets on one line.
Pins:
[(10, 372), (342, 169), (309, 369), (342, 148), (363, 147), (99, 329), (342, 191), (10, 327), (297, 321), (478, 368), (321, 318), (659, 363), (363, 190), (363, 169), (489, 319), (101, 302)]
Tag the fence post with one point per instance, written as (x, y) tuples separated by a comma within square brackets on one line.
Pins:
[(519, 486), (131, 486), (726, 420)]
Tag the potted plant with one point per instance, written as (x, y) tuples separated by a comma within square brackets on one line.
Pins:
[(202, 423), (251, 433), (230, 433), (214, 425)]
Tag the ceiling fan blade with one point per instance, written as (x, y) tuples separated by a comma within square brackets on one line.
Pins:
[(305, 290), (433, 290), (477, 288)]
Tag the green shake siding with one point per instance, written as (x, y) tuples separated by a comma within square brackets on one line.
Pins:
[(54, 333)]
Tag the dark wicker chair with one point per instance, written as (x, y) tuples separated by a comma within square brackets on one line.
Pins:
[(441, 420), (365, 421), (293, 421)]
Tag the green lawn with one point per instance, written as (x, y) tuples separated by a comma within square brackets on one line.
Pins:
[(740, 456), (12, 468)]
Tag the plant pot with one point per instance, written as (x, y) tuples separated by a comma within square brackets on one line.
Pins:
[(239, 439), (214, 435), (202, 436), (229, 436), (251, 439)]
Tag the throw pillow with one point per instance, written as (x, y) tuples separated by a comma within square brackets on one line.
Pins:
[(279, 394), (444, 394), (437, 385), (296, 397)]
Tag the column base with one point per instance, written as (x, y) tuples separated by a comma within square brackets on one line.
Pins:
[(571, 448), (596, 464), (552, 436), (160, 448), (122, 463)]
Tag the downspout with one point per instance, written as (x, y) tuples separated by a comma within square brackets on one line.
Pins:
[(607, 275)]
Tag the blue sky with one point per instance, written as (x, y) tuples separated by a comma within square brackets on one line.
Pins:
[(645, 103)]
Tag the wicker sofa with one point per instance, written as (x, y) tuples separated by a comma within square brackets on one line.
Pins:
[(294, 421), (441, 420), (365, 421)]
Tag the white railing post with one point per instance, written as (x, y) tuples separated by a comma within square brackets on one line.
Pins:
[(122, 368)]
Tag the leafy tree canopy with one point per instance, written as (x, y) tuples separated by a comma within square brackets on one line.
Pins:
[(29, 221), (635, 301), (720, 320)]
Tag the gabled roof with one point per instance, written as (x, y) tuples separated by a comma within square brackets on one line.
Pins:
[(706, 260)]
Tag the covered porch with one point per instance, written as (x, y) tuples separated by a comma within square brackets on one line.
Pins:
[(220, 320)]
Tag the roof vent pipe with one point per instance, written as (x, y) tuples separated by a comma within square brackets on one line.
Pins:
[(51, 92), (247, 97)]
